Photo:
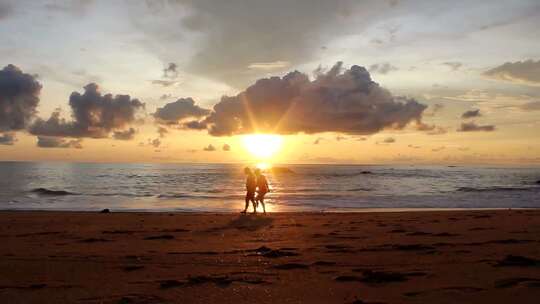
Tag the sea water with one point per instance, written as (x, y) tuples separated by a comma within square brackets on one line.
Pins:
[(220, 187)]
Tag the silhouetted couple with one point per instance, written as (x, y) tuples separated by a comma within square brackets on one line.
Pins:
[(255, 183)]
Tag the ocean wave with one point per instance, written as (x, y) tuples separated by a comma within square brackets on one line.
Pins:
[(185, 195), (494, 189), (45, 191), (359, 189), (351, 174)]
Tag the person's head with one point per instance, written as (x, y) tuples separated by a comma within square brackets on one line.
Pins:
[(247, 171), (257, 171)]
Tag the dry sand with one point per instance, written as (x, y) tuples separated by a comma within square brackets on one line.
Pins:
[(408, 257)]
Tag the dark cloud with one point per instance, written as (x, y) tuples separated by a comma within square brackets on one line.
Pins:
[(209, 148), (471, 114), (175, 112), (226, 147), (154, 142), (165, 96), (414, 147), (128, 134), (7, 139), (454, 65), (195, 125), (430, 129), (93, 115), (389, 140), (19, 97), (382, 68), (5, 10), (170, 71), (336, 101), (58, 142), (340, 138), (162, 131), (524, 72), (318, 140), (531, 106), (472, 127), (247, 32)]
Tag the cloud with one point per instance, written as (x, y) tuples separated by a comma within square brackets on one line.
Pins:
[(531, 106), (162, 131), (340, 138), (165, 83), (19, 97), (336, 101), (171, 71), (209, 148), (248, 33), (175, 112), (318, 140), (93, 115), (471, 114), (7, 139), (269, 65), (57, 142), (226, 147), (472, 127), (128, 134), (382, 68), (155, 142), (5, 10), (165, 96), (454, 65), (431, 129), (388, 140), (414, 147), (522, 72)]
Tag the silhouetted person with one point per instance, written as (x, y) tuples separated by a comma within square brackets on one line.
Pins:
[(262, 188), (251, 186)]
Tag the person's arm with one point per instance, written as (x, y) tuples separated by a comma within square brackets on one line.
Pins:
[(267, 187)]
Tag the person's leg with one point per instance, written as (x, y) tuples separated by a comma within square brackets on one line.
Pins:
[(254, 205), (262, 203), (247, 203)]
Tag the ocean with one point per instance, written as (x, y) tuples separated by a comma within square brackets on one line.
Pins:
[(220, 187)]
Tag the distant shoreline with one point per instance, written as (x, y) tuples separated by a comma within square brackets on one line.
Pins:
[(359, 210)]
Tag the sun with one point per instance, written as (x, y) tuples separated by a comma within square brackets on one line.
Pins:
[(262, 146)]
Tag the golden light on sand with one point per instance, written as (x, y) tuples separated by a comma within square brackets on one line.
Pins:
[(262, 146)]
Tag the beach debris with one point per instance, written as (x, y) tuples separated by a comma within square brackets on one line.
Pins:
[(518, 261), (160, 237), (106, 210), (132, 268), (510, 282), (94, 240)]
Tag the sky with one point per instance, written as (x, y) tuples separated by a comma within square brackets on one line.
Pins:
[(352, 82)]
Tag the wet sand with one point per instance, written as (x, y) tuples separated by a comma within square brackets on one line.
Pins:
[(490, 256)]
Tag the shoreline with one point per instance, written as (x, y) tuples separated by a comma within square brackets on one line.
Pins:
[(351, 210)]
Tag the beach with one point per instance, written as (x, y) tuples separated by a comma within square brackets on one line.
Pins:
[(473, 256)]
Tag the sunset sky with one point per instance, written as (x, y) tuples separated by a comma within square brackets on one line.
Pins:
[(421, 82)]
